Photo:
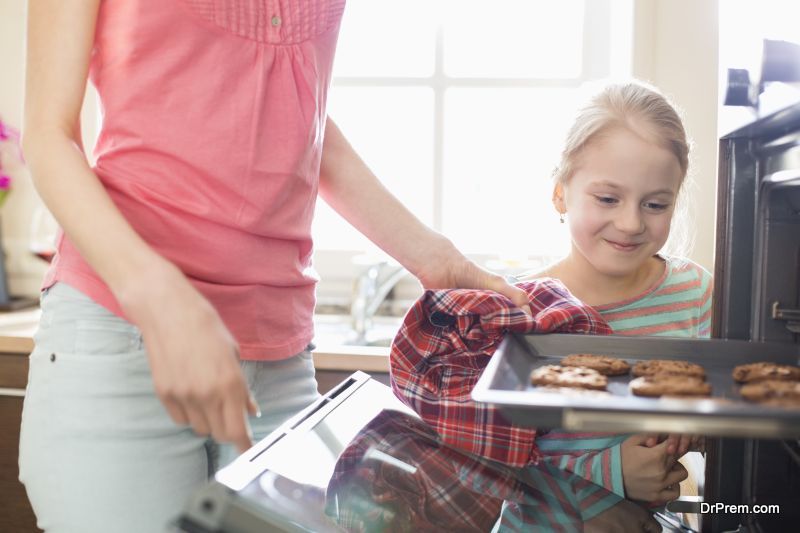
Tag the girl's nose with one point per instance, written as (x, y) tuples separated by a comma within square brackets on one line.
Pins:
[(630, 221)]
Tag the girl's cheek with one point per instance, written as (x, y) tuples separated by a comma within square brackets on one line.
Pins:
[(590, 216), (661, 225)]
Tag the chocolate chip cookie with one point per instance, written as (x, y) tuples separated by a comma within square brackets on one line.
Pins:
[(573, 391), (569, 376), (668, 366), (669, 385), (776, 392), (761, 371), (608, 366)]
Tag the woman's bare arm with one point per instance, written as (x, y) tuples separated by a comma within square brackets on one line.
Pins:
[(192, 354), (348, 185), (60, 38)]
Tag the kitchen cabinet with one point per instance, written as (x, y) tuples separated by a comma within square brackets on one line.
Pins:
[(15, 511)]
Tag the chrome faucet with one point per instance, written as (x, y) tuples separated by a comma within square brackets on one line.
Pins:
[(369, 291)]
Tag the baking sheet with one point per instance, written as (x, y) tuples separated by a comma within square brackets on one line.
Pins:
[(506, 384)]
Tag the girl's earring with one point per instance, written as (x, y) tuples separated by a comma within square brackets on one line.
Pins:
[(561, 217)]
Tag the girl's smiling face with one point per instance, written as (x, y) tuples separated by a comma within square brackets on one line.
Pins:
[(620, 201)]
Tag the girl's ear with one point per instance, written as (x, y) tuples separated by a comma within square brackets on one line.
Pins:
[(558, 199)]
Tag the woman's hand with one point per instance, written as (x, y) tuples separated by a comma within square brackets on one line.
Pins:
[(678, 445), (193, 358), (650, 474), (448, 268)]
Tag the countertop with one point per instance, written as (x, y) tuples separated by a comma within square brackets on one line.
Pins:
[(17, 328)]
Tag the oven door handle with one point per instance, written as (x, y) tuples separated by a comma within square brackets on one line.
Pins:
[(700, 424)]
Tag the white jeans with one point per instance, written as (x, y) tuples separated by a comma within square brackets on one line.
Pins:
[(98, 451)]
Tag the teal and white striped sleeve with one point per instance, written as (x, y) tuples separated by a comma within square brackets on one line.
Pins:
[(704, 304), (594, 456)]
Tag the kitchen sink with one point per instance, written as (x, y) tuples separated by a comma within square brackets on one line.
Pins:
[(336, 330)]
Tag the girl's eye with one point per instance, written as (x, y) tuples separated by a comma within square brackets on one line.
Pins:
[(656, 206), (605, 199)]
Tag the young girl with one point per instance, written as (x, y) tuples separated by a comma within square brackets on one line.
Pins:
[(621, 174)]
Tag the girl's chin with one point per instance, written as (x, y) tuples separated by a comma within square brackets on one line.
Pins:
[(617, 267), (609, 262)]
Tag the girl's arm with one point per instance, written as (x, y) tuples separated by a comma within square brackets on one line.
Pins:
[(621, 464), (594, 456), (348, 186), (192, 354)]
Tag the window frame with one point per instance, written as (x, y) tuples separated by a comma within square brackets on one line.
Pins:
[(606, 52)]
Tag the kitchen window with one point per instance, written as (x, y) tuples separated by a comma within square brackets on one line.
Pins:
[(459, 107)]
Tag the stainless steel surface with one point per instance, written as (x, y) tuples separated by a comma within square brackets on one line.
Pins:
[(279, 484), (323, 431), (506, 383)]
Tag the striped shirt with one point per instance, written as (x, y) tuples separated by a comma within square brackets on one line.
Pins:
[(677, 305)]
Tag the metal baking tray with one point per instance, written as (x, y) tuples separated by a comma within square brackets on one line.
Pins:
[(506, 384)]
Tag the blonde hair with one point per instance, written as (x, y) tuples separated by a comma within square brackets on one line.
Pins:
[(643, 110)]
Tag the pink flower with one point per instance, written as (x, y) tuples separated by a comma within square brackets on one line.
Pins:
[(7, 132)]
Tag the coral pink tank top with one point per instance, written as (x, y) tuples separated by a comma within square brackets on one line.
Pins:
[(213, 118)]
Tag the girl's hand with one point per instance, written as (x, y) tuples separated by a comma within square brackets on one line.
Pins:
[(193, 358), (650, 474), (453, 270), (679, 444)]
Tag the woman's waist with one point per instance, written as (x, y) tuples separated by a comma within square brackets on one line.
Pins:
[(216, 254)]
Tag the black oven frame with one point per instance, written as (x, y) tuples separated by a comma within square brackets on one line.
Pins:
[(756, 297)]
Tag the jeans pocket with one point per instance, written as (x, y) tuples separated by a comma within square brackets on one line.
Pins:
[(107, 336), (73, 322)]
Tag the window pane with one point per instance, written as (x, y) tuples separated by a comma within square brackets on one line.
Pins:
[(500, 148), (513, 38), (386, 38), (392, 130)]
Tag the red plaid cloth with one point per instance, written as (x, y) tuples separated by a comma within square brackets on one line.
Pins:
[(446, 341), (396, 476)]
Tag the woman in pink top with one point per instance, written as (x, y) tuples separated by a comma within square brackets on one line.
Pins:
[(187, 244)]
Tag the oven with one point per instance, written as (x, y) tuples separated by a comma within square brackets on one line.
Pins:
[(757, 279)]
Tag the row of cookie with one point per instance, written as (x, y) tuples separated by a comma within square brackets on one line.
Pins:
[(653, 378), (767, 383), (653, 385), (748, 373), (763, 383), (668, 377)]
